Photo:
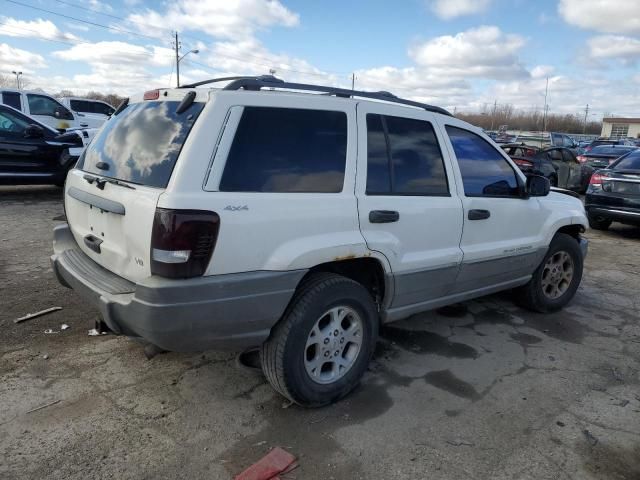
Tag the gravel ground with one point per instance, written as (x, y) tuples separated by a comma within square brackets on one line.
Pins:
[(482, 390)]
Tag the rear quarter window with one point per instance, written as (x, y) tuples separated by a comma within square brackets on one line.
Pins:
[(287, 150)]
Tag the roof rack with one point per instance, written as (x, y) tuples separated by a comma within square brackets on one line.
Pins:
[(269, 81)]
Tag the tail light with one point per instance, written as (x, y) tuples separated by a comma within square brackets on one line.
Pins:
[(581, 158), (597, 178), (523, 163), (151, 95), (182, 242)]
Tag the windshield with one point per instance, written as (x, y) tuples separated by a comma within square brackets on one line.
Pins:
[(609, 150), (629, 162), (142, 143)]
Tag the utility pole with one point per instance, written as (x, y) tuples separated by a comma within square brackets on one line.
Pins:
[(546, 107), (586, 112), (353, 81), (177, 45)]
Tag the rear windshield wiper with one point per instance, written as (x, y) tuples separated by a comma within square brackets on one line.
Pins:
[(101, 181)]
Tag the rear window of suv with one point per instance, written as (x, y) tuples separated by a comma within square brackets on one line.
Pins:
[(142, 143), (287, 150)]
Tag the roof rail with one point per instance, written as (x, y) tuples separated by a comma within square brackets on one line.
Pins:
[(269, 81)]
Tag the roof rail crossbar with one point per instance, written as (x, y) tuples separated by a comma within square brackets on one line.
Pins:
[(268, 81)]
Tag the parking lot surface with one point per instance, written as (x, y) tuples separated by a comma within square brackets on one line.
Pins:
[(480, 390)]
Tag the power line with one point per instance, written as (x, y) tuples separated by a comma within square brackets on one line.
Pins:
[(69, 42), (268, 62), (263, 59), (69, 17)]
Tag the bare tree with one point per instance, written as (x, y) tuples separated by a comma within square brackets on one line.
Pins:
[(529, 120), (5, 81)]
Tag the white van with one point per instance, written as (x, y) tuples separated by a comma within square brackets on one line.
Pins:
[(43, 108), (93, 112)]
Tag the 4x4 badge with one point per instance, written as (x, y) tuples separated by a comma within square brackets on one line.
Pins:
[(235, 208)]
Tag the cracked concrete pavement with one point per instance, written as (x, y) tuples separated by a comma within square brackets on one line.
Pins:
[(480, 390)]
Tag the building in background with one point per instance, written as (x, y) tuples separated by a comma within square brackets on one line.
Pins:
[(616, 127)]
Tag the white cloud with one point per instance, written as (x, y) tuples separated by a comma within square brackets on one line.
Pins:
[(117, 53), (17, 59), (621, 16), (231, 19), (626, 49), (250, 57), (448, 9), (542, 71), (38, 28), (484, 52)]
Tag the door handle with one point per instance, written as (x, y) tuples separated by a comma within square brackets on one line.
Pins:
[(383, 216), (476, 214)]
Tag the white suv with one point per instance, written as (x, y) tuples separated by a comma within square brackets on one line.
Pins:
[(261, 215)]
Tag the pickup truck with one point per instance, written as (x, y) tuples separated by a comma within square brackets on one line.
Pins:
[(44, 108)]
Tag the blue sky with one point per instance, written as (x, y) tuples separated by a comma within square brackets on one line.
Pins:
[(462, 54)]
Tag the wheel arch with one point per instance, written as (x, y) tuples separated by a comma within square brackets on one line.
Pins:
[(369, 271)]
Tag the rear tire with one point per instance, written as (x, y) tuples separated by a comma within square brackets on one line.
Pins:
[(557, 278), (332, 324), (599, 223)]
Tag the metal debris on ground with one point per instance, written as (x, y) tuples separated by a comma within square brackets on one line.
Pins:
[(36, 314), (43, 406), (48, 330), (64, 326), (94, 332), (276, 462), (590, 437), (459, 443)]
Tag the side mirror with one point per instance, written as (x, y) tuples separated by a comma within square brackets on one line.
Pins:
[(538, 186), (34, 131)]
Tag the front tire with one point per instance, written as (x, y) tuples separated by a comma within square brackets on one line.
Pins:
[(318, 352), (556, 280), (599, 223)]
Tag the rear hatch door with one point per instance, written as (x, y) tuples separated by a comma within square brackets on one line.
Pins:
[(111, 196)]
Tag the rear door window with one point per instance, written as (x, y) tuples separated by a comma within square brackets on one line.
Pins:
[(12, 99), (403, 157), (568, 156), (102, 108), (287, 150), (142, 143), (485, 172), (79, 105)]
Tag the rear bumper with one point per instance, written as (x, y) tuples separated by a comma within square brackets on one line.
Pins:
[(229, 312), (621, 214)]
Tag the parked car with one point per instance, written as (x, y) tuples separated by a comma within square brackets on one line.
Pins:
[(93, 112), (614, 193), (299, 223), (519, 150), (602, 155), (605, 141), (43, 108), (34, 153), (559, 165), (546, 140)]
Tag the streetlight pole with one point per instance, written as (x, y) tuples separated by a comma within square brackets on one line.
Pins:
[(546, 107), (17, 74), (179, 59)]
